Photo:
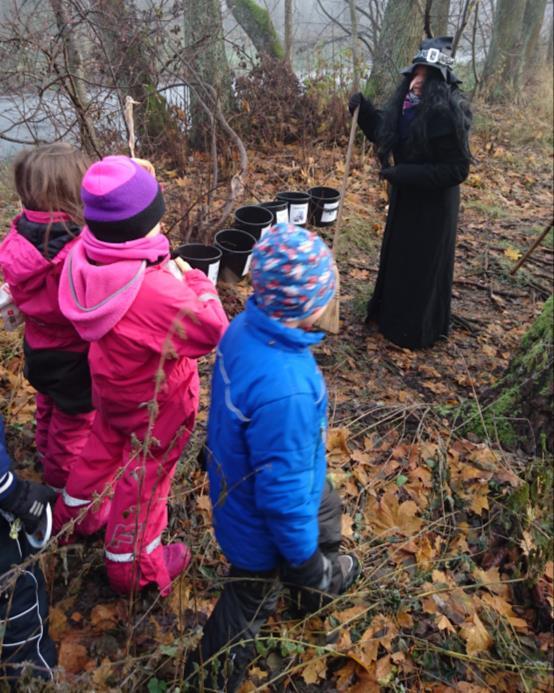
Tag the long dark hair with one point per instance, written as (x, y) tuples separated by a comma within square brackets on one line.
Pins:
[(437, 99)]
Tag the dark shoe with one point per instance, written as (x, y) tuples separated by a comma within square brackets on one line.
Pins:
[(350, 569)]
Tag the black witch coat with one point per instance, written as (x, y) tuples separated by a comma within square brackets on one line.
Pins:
[(411, 300)]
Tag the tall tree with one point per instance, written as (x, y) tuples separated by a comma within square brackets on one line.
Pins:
[(505, 52), (438, 16), (355, 45), (533, 18), (129, 60), (73, 77), (398, 42), (289, 8), (257, 24), (210, 75)]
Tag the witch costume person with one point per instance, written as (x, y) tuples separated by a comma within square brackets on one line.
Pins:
[(424, 130)]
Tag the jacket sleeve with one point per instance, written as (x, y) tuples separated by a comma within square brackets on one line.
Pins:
[(369, 120), (199, 321), (450, 168), (283, 447)]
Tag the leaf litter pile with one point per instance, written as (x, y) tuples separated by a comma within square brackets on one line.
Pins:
[(456, 591)]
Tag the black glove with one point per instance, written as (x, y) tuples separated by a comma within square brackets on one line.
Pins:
[(28, 501), (356, 100)]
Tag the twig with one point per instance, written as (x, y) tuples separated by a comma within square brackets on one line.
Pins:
[(539, 240)]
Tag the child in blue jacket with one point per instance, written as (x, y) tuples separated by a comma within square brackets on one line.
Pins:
[(24, 635), (275, 515)]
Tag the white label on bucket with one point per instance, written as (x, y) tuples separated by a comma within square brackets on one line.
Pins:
[(213, 271), (330, 211), (247, 266), (282, 216), (298, 214), (264, 231)]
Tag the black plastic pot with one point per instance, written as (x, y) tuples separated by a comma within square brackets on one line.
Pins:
[(254, 219), (203, 257), (324, 206), (280, 209), (298, 203), (236, 248)]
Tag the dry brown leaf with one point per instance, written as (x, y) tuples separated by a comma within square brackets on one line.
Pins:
[(492, 580), (387, 517), (477, 637), (479, 499), (444, 624), (346, 526), (502, 607), (424, 553), (73, 656), (337, 444), (383, 670), (204, 503), (57, 623), (104, 616), (315, 670)]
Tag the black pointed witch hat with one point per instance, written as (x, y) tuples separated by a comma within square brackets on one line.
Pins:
[(436, 53)]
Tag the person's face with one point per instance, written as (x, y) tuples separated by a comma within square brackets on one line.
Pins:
[(419, 75)]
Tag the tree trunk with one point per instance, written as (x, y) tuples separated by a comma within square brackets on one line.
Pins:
[(206, 47), (73, 78), (532, 23), (288, 30), (518, 409), (550, 46), (257, 25), (398, 42), (438, 17), (505, 52), (130, 63), (355, 46)]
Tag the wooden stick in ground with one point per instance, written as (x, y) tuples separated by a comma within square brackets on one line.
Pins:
[(130, 121), (531, 250), (539, 240), (330, 320)]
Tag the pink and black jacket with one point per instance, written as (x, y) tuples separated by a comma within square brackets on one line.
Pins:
[(31, 258)]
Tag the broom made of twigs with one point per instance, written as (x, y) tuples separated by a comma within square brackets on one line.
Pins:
[(330, 320)]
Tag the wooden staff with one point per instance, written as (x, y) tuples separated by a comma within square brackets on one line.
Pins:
[(130, 121), (539, 240)]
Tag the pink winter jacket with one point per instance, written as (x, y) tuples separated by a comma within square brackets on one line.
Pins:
[(169, 323), (33, 282)]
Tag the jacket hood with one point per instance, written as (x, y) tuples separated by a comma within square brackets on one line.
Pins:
[(95, 297), (289, 338), (100, 281)]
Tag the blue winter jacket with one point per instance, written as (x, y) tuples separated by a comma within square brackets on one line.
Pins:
[(266, 442)]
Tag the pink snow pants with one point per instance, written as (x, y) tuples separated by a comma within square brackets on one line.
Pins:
[(60, 439), (133, 485)]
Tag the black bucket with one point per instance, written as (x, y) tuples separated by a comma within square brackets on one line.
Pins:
[(254, 219), (324, 206), (236, 248), (203, 257), (298, 203), (280, 209)]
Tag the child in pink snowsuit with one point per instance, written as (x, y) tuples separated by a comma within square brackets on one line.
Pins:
[(48, 181), (146, 329)]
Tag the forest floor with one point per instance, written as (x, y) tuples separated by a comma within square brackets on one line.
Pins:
[(444, 602)]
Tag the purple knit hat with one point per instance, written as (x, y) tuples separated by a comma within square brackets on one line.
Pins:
[(122, 201)]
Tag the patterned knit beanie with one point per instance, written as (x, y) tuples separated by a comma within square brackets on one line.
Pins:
[(292, 272), (122, 201)]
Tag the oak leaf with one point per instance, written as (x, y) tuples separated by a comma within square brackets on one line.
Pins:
[(315, 670)]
